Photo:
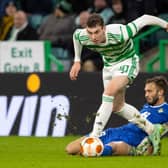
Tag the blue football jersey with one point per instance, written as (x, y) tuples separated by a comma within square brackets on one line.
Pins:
[(132, 134), (155, 114)]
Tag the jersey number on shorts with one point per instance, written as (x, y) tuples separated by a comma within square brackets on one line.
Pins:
[(124, 68)]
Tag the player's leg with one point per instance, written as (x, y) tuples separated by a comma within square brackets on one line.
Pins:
[(115, 141), (133, 115), (130, 68), (125, 110), (144, 148), (105, 110), (116, 148), (73, 148), (120, 148), (112, 85)]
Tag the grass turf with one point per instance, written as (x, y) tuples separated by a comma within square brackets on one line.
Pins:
[(33, 152)]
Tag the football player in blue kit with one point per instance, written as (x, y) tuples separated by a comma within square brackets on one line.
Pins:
[(129, 139)]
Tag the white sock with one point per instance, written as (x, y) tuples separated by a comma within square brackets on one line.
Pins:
[(103, 115), (133, 115)]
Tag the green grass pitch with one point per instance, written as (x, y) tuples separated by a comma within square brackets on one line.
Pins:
[(33, 152)]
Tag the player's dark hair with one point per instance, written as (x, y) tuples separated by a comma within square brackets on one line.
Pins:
[(95, 20), (160, 81)]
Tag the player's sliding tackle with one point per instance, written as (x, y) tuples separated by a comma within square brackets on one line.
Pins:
[(121, 66), (130, 139)]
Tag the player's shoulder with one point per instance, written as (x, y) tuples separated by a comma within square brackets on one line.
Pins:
[(163, 106), (80, 33), (114, 28), (145, 107), (109, 26)]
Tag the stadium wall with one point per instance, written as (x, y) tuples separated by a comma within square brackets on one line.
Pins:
[(50, 104)]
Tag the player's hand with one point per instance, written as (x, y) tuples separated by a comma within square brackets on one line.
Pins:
[(75, 70)]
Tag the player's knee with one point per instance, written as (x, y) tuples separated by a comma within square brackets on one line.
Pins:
[(68, 149)]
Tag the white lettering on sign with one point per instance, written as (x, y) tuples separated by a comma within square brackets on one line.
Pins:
[(29, 107), (8, 115)]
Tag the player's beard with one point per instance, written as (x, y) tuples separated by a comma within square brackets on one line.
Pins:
[(154, 101)]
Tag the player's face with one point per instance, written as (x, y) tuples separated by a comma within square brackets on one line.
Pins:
[(152, 94), (96, 34)]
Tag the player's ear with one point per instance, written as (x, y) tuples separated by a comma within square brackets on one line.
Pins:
[(161, 92)]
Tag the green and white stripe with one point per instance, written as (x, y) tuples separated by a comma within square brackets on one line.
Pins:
[(118, 46), (132, 29)]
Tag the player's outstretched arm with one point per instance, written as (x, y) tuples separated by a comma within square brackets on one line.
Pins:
[(149, 20), (132, 28)]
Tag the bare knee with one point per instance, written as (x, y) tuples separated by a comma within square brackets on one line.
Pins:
[(69, 150), (73, 147), (120, 148)]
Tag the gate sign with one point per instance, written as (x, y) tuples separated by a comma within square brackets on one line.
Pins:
[(22, 56)]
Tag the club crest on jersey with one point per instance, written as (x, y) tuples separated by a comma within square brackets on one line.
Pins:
[(160, 110)]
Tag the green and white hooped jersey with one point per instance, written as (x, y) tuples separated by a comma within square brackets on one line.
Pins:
[(118, 45)]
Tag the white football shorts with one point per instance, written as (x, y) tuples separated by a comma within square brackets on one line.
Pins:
[(128, 67)]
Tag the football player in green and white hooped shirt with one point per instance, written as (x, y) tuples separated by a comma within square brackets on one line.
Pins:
[(121, 66)]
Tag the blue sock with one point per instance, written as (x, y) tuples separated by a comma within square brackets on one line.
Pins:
[(108, 150)]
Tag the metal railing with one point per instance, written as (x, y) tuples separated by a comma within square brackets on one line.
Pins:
[(160, 57), (50, 58), (139, 37)]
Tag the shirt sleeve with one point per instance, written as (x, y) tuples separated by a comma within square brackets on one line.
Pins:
[(77, 46), (148, 20), (132, 28)]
